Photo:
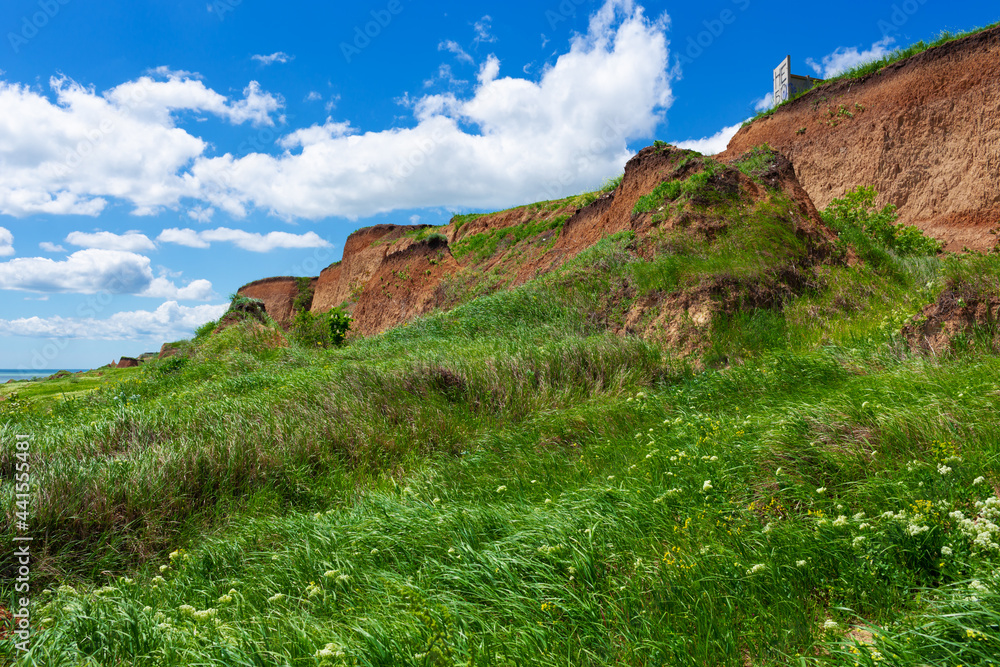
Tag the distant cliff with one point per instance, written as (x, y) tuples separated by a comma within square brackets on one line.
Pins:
[(925, 132)]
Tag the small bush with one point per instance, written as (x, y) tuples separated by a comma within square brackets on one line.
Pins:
[(205, 329), (327, 329), (857, 212), (303, 301)]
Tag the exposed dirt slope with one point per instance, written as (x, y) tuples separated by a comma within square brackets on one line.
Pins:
[(364, 252), (925, 132), (952, 321), (717, 223), (278, 295)]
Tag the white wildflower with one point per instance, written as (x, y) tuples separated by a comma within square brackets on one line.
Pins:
[(946, 551), (821, 490), (707, 486), (977, 481), (205, 615)]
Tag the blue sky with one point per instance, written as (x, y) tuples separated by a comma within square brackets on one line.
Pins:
[(155, 156)]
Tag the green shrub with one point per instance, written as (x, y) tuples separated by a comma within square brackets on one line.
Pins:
[(857, 212), (205, 329), (303, 301), (327, 329)]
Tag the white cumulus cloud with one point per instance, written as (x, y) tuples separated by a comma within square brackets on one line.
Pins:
[(277, 57), (94, 270), (508, 140), (764, 103), (241, 239), (511, 140), (48, 246), (6, 242), (185, 237), (71, 155), (129, 241), (844, 58), (168, 322), (713, 144)]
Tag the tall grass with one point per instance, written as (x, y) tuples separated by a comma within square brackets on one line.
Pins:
[(510, 483)]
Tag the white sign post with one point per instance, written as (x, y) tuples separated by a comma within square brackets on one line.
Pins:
[(782, 81)]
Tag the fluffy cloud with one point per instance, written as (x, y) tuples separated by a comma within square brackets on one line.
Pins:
[(93, 270), (713, 144), (764, 103), (535, 140), (129, 242), (278, 57), (157, 101), (845, 58), (196, 290), (168, 322), (241, 239), (51, 247), (6, 242), (185, 237), (509, 140), (73, 154)]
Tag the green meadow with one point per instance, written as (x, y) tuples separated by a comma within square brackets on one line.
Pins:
[(512, 483)]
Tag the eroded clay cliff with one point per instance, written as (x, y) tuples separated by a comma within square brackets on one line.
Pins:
[(925, 132)]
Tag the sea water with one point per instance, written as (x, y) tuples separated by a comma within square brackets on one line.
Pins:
[(14, 374)]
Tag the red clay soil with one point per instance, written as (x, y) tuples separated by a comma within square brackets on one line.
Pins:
[(937, 327), (925, 132), (403, 286), (387, 276), (364, 252), (612, 213), (278, 295), (6, 623)]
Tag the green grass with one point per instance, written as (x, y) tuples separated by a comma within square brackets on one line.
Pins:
[(511, 482), (484, 245)]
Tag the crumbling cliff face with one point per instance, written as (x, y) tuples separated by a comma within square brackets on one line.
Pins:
[(278, 295), (391, 274), (925, 132)]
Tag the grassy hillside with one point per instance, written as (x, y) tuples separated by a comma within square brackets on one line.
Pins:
[(512, 482)]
